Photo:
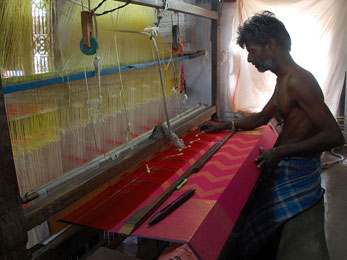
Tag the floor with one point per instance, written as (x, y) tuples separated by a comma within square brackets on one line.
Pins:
[(334, 180)]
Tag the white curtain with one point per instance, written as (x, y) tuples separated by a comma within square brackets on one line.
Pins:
[(318, 30)]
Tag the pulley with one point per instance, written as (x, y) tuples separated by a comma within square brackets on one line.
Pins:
[(89, 43)]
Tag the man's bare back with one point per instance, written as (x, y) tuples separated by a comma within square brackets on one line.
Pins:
[(297, 125)]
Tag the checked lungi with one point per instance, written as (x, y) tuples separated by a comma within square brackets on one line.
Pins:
[(293, 187)]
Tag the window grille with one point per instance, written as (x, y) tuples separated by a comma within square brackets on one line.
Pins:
[(41, 35), (42, 39)]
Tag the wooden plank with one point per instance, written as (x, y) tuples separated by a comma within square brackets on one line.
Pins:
[(48, 207), (87, 28), (13, 236)]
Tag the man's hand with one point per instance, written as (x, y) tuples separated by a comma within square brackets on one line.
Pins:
[(211, 127), (268, 161)]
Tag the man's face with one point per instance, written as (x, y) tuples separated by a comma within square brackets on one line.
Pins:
[(259, 57)]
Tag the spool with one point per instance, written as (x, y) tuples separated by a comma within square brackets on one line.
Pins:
[(92, 49), (179, 50)]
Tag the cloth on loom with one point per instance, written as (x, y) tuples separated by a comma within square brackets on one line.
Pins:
[(294, 187)]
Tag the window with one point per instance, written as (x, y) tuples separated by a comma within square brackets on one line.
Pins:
[(41, 52), (41, 35)]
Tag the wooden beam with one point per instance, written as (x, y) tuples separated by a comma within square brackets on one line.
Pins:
[(175, 6), (215, 39), (49, 206), (185, 8), (345, 110), (13, 236)]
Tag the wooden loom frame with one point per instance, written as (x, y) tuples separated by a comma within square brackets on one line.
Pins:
[(15, 222)]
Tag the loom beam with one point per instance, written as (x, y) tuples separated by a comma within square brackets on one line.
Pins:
[(179, 7), (17, 87)]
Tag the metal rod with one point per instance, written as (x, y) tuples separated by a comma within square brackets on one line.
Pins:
[(77, 3), (90, 74)]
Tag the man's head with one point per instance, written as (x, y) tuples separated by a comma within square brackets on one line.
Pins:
[(262, 34)]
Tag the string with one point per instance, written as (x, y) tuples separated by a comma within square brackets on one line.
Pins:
[(90, 109), (121, 84)]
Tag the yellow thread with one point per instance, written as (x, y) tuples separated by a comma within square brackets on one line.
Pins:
[(49, 127), (174, 155)]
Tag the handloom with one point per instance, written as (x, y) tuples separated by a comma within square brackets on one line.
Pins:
[(79, 124)]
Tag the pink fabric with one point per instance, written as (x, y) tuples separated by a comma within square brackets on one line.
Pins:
[(222, 188), (204, 221)]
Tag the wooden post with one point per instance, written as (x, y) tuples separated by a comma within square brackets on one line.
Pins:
[(87, 28), (13, 235), (215, 40), (345, 112)]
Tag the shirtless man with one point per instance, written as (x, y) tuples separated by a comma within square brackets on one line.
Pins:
[(309, 128)]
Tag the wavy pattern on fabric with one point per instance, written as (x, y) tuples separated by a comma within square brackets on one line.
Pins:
[(204, 221)]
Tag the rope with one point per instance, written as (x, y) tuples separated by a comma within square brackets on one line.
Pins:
[(340, 158), (90, 109), (108, 11), (174, 138), (128, 134)]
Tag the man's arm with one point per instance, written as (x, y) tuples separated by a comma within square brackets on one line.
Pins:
[(247, 123), (257, 119)]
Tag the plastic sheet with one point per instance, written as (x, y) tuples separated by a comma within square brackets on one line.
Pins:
[(318, 33)]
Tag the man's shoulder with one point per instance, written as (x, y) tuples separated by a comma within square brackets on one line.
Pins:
[(302, 82), (301, 77)]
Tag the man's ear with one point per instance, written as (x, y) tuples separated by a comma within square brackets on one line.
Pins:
[(271, 44)]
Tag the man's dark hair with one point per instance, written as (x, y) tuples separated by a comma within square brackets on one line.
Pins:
[(262, 27)]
